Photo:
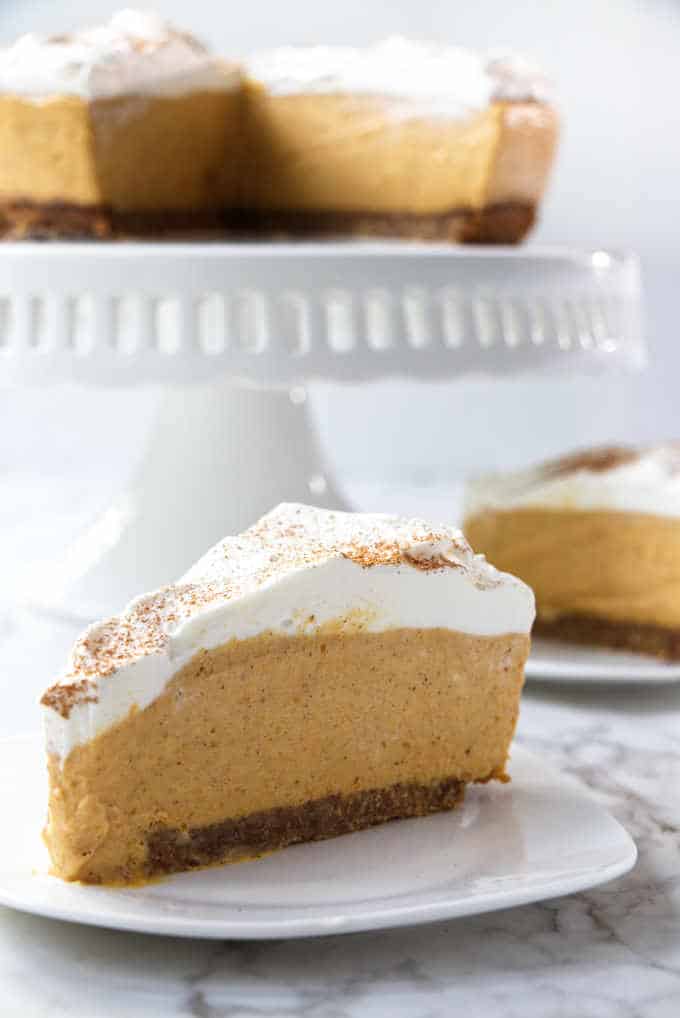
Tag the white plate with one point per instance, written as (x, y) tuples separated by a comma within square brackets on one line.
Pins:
[(554, 661), (538, 837)]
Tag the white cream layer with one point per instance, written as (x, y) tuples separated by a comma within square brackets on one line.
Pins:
[(649, 484), (435, 79), (134, 53), (383, 597)]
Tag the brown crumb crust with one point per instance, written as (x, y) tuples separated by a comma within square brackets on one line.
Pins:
[(172, 850), (639, 638), (26, 220), (497, 224)]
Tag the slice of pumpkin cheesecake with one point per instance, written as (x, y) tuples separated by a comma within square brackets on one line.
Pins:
[(318, 674), (596, 533)]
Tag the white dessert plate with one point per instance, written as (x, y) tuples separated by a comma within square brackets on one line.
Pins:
[(554, 661), (538, 837)]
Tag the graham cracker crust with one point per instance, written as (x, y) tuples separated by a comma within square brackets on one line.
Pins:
[(173, 850), (498, 224), (26, 220), (637, 637)]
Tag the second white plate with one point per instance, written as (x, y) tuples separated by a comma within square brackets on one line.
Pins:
[(552, 661), (539, 837)]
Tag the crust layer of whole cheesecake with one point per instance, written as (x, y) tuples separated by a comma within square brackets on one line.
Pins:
[(495, 224), (22, 220), (275, 739), (621, 568)]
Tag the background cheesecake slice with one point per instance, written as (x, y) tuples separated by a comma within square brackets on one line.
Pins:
[(131, 126), (320, 673), (597, 536), (401, 138)]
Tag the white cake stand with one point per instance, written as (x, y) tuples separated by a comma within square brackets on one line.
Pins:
[(234, 331)]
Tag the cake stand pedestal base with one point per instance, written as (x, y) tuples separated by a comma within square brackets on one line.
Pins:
[(219, 456)]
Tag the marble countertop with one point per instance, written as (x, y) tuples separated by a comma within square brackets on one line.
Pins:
[(613, 952)]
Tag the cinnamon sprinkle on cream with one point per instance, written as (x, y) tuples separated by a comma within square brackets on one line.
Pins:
[(289, 539)]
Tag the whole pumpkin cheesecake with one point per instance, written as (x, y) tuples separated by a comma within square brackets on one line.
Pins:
[(597, 536), (129, 127), (320, 673), (402, 138)]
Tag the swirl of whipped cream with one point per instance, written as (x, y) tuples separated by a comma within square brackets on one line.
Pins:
[(134, 53)]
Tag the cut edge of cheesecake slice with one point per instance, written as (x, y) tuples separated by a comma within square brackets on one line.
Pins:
[(320, 673)]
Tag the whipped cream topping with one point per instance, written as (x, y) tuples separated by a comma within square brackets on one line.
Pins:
[(295, 570), (135, 52), (618, 479), (439, 79)]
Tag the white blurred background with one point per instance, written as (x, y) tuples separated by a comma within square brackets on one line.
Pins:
[(617, 70)]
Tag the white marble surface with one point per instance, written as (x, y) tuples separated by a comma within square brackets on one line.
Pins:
[(611, 952)]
